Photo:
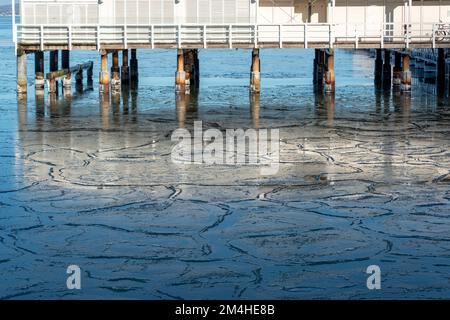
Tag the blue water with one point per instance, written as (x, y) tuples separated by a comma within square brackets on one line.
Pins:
[(87, 179)]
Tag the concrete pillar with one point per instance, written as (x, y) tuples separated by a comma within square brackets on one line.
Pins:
[(320, 69), (440, 74), (329, 75), (21, 71), (104, 74), (387, 69), (39, 81), (191, 68), (125, 71), (134, 74), (180, 74), (255, 75), (65, 64), (378, 67), (406, 74), (197, 69), (397, 70), (115, 72), (54, 64)]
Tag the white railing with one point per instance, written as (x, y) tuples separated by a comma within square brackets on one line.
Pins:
[(227, 35)]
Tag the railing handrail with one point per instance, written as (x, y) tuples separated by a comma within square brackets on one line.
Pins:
[(228, 34)]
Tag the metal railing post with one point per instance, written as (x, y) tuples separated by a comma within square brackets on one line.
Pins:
[(152, 39), (255, 36), (97, 34), (125, 35), (305, 35), (280, 36), (434, 36), (42, 37), (204, 36), (230, 36), (69, 31)]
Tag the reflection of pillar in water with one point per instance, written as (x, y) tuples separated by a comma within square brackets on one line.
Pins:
[(330, 105), (134, 100), (181, 106), (440, 77), (52, 104), (377, 101), (115, 103), (40, 106), (104, 109), (255, 105), (79, 80), (125, 98), (22, 108)]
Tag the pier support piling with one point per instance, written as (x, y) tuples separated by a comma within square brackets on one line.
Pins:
[(319, 69), (397, 70), (53, 63), (406, 74), (180, 75), (440, 75), (191, 68), (115, 72), (378, 67), (387, 69), (134, 74), (65, 64), (255, 73), (125, 71), (21, 71), (39, 81), (104, 74), (329, 75)]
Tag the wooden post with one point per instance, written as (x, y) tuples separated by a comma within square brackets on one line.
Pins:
[(104, 74), (378, 68), (65, 64), (21, 71), (53, 62), (115, 72), (398, 70), (134, 74), (125, 72), (406, 75), (387, 69), (440, 77), (320, 68), (255, 75), (180, 74), (39, 81), (329, 75), (191, 68)]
